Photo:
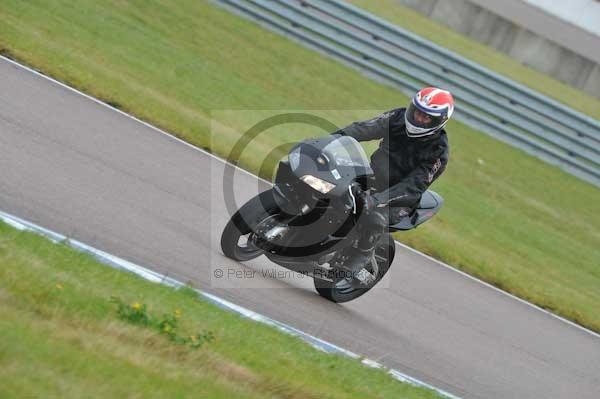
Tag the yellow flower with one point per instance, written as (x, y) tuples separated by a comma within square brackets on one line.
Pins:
[(177, 313), (136, 306), (59, 286)]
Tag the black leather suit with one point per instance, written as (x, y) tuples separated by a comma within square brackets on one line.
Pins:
[(404, 168)]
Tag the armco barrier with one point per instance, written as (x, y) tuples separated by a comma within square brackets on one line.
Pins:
[(486, 101)]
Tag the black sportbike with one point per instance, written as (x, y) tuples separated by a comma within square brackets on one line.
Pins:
[(306, 222)]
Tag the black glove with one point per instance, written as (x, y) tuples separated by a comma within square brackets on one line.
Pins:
[(380, 199)]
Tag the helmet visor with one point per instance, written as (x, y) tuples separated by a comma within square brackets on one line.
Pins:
[(422, 120)]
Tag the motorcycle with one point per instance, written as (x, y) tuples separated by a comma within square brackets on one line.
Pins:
[(307, 221)]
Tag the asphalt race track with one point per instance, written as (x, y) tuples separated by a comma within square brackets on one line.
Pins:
[(86, 171)]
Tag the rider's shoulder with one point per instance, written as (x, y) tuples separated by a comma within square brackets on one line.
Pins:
[(398, 113), (396, 116), (442, 143), (437, 143), (443, 137), (391, 115)]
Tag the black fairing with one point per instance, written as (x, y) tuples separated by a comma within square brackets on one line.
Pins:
[(335, 159), (314, 222)]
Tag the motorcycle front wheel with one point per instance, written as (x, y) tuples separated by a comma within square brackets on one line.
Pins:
[(343, 289), (236, 237)]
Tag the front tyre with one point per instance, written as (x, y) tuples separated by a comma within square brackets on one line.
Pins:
[(344, 289), (235, 239)]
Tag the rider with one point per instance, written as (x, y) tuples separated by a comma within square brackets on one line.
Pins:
[(412, 154)]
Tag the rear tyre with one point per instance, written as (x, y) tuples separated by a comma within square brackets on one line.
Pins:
[(344, 289), (236, 237)]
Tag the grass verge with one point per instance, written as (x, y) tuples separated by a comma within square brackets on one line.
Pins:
[(509, 218), (482, 54), (63, 336)]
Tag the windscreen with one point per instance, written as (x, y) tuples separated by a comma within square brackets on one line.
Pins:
[(346, 151)]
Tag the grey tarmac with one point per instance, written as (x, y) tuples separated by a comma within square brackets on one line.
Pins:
[(89, 172)]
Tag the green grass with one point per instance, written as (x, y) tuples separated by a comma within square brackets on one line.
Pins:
[(487, 56), (509, 218), (61, 337)]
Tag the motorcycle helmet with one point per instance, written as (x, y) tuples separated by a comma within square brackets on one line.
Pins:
[(428, 112)]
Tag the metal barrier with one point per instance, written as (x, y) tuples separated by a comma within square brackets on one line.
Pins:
[(486, 101)]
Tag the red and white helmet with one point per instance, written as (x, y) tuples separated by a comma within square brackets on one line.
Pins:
[(428, 112)]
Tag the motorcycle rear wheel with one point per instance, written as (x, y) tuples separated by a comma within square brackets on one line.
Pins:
[(344, 289)]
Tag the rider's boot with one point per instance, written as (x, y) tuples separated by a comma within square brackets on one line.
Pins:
[(356, 264), (360, 258)]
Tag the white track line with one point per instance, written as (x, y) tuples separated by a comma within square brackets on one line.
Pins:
[(266, 181), (499, 290), (121, 264)]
